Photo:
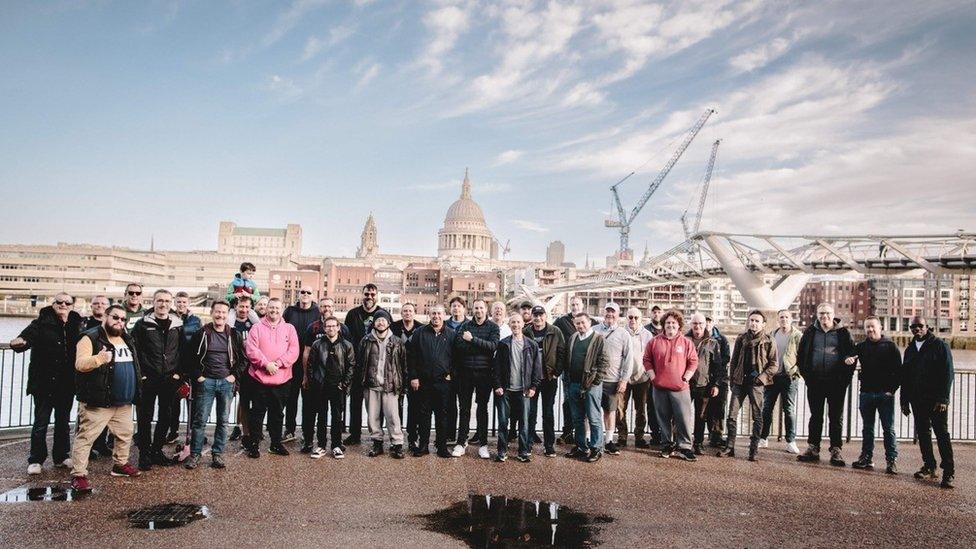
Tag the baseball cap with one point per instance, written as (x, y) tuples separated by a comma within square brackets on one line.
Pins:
[(538, 310), (612, 305)]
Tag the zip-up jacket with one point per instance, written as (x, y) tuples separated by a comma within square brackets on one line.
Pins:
[(191, 325), (159, 353), (790, 367), (595, 363), (238, 284), (813, 368), (332, 364), (430, 355), (566, 326), (927, 372), (95, 385), (52, 362), (711, 372), (754, 357), (638, 342), (267, 342), (880, 365), (616, 344), (392, 367), (531, 364), (553, 350), (725, 352), (669, 360), (316, 331), (301, 319), (475, 354), (197, 350)]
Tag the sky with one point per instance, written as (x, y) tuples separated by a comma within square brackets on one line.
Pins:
[(124, 122)]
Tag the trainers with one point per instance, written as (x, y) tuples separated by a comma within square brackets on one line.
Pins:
[(127, 470), (576, 453), (444, 453), (316, 453), (338, 453), (764, 443), (698, 450), (483, 452), (891, 468), (641, 443), (145, 465), (288, 437), (536, 439), (753, 453), (687, 454), (550, 452), (377, 449), (307, 449), (792, 448), (622, 443), (235, 434), (34, 469), (612, 448), (523, 458), (81, 484), (217, 461), (66, 464), (566, 438), (501, 458), (458, 450), (396, 451), (727, 452), (253, 451), (863, 462), (837, 458), (594, 456), (947, 480), (811, 455), (192, 461), (352, 440), (925, 473), (666, 451), (278, 449)]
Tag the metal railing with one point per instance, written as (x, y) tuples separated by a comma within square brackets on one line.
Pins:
[(17, 408)]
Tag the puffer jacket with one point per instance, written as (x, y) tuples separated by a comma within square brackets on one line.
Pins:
[(711, 372), (159, 356), (812, 369), (478, 353), (53, 345), (393, 367), (761, 350), (553, 350)]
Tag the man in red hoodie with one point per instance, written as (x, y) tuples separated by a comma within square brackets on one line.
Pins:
[(272, 348), (671, 359)]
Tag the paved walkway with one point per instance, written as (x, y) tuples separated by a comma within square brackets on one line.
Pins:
[(298, 502)]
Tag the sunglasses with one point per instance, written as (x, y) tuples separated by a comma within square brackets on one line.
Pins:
[(63, 302), (631, 317), (916, 326), (133, 293), (118, 318), (369, 294), (303, 292)]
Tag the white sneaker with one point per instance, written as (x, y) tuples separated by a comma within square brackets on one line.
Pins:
[(66, 464), (317, 453), (34, 469), (792, 448), (458, 450), (483, 453), (764, 443), (338, 453)]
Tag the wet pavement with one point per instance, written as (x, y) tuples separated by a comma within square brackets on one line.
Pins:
[(296, 501)]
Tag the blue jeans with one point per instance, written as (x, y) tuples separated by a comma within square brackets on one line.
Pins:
[(203, 398), (513, 403), (884, 405), (784, 389), (587, 409)]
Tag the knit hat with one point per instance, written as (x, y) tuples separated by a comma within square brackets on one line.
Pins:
[(382, 313)]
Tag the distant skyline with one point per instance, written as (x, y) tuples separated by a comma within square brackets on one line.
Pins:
[(126, 121)]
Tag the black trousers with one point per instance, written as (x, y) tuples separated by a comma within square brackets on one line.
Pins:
[(831, 394), (547, 391), (355, 419), (322, 401), (291, 406), (478, 383), (717, 406), (415, 408), (158, 395), (270, 400), (174, 423), (436, 397), (927, 421), (44, 405), (700, 396)]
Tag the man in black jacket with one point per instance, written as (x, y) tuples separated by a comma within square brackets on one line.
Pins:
[(328, 375), (880, 376), (429, 369), (404, 329), (300, 315), (517, 375), (158, 338), (926, 387), (474, 349), (108, 381), (553, 348), (359, 321), (719, 404), (566, 326), (51, 378), (822, 358)]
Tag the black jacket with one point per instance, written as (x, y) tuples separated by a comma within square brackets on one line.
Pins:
[(95, 387), (316, 331), (531, 365), (880, 366), (711, 371), (430, 355), (927, 373), (725, 351), (196, 350), (301, 319), (553, 350), (159, 356), (90, 322), (332, 364), (359, 323), (399, 331), (811, 369), (53, 345), (476, 354), (566, 326)]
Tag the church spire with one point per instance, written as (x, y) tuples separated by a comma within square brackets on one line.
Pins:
[(466, 185), (367, 245)]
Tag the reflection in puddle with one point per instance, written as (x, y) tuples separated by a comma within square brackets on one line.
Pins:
[(498, 521), (46, 492), (168, 515)]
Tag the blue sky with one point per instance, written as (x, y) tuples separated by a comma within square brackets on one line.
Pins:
[(123, 120)]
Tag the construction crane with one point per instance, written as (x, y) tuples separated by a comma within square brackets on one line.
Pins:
[(623, 221), (704, 193)]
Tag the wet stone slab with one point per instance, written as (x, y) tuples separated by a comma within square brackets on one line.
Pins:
[(43, 492), (500, 521)]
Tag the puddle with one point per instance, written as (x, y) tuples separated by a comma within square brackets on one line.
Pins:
[(47, 492), (498, 521), (168, 515)]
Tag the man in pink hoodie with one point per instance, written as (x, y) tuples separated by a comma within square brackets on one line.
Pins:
[(272, 348), (671, 360)]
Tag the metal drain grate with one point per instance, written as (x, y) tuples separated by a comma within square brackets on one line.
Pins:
[(168, 515)]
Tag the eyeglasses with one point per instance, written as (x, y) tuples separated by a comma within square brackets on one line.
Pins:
[(118, 318), (63, 302), (133, 293), (304, 292), (632, 317)]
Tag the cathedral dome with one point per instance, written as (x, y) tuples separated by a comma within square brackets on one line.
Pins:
[(465, 212), (465, 233)]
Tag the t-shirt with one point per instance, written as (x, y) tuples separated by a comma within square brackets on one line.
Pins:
[(216, 363), (242, 327), (918, 344), (782, 338), (123, 376), (516, 365), (538, 336), (578, 359)]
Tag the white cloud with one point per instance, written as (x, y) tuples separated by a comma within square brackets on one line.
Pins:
[(367, 72), (316, 45), (529, 226), (507, 157), (446, 24), (287, 20), (760, 56)]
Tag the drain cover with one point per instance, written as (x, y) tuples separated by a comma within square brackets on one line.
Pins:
[(168, 515)]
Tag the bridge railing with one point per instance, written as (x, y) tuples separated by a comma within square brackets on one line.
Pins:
[(17, 408)]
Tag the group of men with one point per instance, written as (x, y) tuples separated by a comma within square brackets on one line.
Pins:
[(682, 379)]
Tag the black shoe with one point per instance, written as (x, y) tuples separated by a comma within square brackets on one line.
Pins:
[(655, 440), (594, 456), (253, 451), (687, 454), (278, 450), (413, 447), (550, 452), (666, 451), (351, 440), (217, 461), (476, 441), (622, 443), (159, 458), (536, 439), (697, 449), (417, 452), (577, 453), (947, 481), (235, 434), (245, 442), (612, 449), (641, 443), (892, 468), (727, 452), (863, 462), (306, 449), (444, 453), (523, 458), (377, 449), (396, 451), (925, 473), (145, 465), (837, 458), (93, 455), (753, 453), (172, 437), (810, 456), (566, 438)]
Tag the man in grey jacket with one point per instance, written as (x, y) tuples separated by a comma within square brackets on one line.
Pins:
[(617, 375), (638, 385)]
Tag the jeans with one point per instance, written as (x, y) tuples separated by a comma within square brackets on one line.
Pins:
[(832, 394), (204, 394), (161, 389), (638, 394), (587, 410), (699, 399), (674, 408), (783, 388), (322, 401), (739, 394), (513, 404), (927, 421), (435, 397), (884, 405), (44, 405), (478, 382), (268, 399), (547, 390)]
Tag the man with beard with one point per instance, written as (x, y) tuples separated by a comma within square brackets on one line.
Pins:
[(654, 326), (316, 330), (328, 374), (134, 310), (359, 321), (108, 380), (381, 360), (300, 315), (474, 351), (566, 326), (753, 366), (404, 329)]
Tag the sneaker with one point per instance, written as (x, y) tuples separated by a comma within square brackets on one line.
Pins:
[(145, 465), (127, 470), (947, 481), (550, 452), (483, 452), (288, 437), (594, 456), (278, 449), (764, 443), (612, 448), (444, 453), (338, 453), (810, 456), (622, 443), (417, 452), (396, 451), (925, 474), (34, 469), (316, 453), (792, 448), (687, 454), (458, 450), (753, 453), (217, 461), (159, 458), (837, 458), (576, 453), (727, 452), (476, 441), (698, 450), (863, 462), (891, 468), (66, 464), (500, 458), (81, 484), (666, 451), (523, 458), (308, 448), (352, 440), (253, 451), (377, 449), (192, 461), (641, 443), (235, 434), (566, 438)]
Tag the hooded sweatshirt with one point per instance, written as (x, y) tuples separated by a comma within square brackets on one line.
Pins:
[(669, 359), (267, 342)]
